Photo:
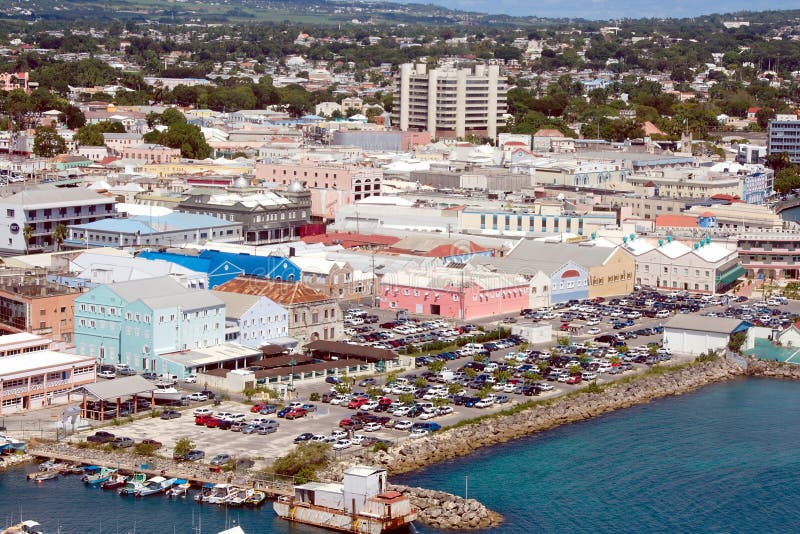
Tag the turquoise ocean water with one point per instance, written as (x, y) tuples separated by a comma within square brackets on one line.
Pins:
[(723, 459)]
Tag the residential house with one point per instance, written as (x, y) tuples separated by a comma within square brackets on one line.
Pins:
[(29, 303)]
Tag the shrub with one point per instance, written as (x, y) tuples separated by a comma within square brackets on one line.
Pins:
[(182, 447), (145, 449), (314, 397), (380, 446), (303, 462)]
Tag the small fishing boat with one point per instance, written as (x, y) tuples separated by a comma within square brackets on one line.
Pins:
[(205, 493), (179, 489), (72, 469), (26, 527), (47, 475), (115, 481), (221, 493), (134, 482), (255, 498), (94, 475), (155, 485), (51, 465), (236, 497)]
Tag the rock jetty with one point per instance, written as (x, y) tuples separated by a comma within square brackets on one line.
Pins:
[(447, 511)]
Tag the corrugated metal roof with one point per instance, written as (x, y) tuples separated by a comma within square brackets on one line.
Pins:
[(703, 323), (119, 387)]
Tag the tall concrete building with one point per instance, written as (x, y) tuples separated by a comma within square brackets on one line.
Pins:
[(783, 135), (450, 102)]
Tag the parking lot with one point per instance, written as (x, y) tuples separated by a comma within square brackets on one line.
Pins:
[(458, 383)]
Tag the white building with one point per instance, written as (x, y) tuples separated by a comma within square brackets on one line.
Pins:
[(695, 334), (450, 102), (253, 321), (43, 209), (38, 379)]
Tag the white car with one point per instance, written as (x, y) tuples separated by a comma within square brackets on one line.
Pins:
[(428, 415), (418, 433), (445, 410), (404, 424), (199, 397), (544, 386), (593, 331), (339, 434), (593, 321), (401, 412), (484, 403), (372, 427), (190, 379), (357, 439), (202, 411), (662, 314), (342, 444), (371, 405), (319, 438), (107, 374)]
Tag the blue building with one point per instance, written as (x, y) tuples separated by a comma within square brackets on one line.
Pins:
[(137, 322), (224, 266)]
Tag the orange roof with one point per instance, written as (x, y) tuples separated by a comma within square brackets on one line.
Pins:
[(676, 221), (286, 293), (707, 214), (548, 132), (515, 143)]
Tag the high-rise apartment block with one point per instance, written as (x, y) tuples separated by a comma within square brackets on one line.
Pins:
[(450, 102), (783, 135)]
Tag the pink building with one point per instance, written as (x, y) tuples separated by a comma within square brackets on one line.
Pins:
[(152, 153), (331, 185), (455, 294), (14, 80)]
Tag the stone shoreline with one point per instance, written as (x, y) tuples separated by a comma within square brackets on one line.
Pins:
[(446, 511)]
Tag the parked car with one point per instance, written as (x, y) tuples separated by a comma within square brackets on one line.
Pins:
[(155, 444), (268, 409), (202, 411), (332, 380), (295, 413), (199, 397), (220, 459), (101, 437), (126, 371), (194, 455), (190, 379), (107, 374), (305, 436), (367, 382), (121, 442)]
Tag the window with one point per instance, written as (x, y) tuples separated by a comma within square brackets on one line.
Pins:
[(9, 213)]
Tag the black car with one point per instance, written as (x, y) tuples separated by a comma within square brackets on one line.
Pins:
[(208, 393), (303, 437), (150, 375), (194, 455), (101, 437)]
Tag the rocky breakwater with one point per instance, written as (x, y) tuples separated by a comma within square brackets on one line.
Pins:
[(460, 441), (447, 511), (772, 369)]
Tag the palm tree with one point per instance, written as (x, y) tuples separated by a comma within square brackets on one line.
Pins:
[(27, 234), (59, 235)]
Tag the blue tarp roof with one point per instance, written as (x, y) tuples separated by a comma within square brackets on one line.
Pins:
[(224, 266)]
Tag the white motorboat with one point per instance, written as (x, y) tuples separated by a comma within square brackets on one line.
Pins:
[(155, 485), (221, 493), (165, 391)]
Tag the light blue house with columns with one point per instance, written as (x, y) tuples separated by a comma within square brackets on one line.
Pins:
[(137, 322)]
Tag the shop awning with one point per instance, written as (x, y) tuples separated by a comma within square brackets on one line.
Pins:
[(729, 277)]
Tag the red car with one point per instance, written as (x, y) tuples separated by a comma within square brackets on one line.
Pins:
[(564, 326), (357, 403), (202, 419), (297, 412), (574, 379), (258, 407)]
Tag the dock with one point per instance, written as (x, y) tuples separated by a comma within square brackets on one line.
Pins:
[(274, 487)]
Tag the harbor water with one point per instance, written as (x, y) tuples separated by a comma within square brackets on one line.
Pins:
[(722, 459)]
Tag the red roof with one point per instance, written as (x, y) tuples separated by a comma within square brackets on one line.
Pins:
[(753, 110), (548, 132), (676, 221), (107, 160), (352, 240), (515, 143), (729, 198)]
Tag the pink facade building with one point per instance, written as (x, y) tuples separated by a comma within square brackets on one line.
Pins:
[(14, 80), (331, 185), (454, 294), (152, 153)]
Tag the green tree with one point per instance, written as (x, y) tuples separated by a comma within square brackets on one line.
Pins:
[(787, 178), (436, 365), (182, 448), (27, 233), (406, 398), (484, 392), (48, 143), (420, 382), (74, 117), (187, 137), (59, 235), (737, 341), (303, 462), (89, 135)]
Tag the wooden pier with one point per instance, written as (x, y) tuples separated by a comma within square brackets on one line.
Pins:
[(273, 488)]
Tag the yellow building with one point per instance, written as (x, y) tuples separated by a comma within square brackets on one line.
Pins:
[(184, 168)]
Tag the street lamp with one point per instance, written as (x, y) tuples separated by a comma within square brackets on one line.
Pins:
[(292, 363)]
